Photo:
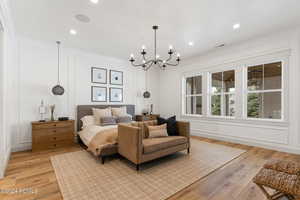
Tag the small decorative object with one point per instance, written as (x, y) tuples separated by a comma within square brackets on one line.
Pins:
[(145, 111), (99, 94), (42, 111), (116, 77), (52, 108), (99, 75), (151, 109), (156, 60), (58, 89), (116, 94), (63, 118)]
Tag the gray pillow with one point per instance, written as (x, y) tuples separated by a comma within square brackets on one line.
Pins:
[(124, 119), (105, 121)]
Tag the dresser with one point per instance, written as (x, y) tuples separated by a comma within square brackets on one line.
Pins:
[(146, 117), (52, 134)]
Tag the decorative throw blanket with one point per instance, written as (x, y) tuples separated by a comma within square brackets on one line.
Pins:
[(99, 137), (103, 139)]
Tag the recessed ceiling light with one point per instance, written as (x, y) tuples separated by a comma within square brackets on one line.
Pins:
[(73, 32), (94, 1), (220, 45), (236, 26), (191, 43), (82, 18)]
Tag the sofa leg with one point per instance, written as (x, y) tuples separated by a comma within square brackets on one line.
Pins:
[(188, 150), (102, 160), (137, 167)]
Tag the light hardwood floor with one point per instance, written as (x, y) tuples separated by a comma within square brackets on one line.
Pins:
[(232, 181)]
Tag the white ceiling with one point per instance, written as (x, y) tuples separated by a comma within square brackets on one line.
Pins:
[(120, 27)]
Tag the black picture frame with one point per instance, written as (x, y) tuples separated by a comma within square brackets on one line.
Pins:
[(92, 93), (92, 75), (110, 77), (110, 94)]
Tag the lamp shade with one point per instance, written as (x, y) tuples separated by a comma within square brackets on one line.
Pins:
[(58, 90), (146, 95)]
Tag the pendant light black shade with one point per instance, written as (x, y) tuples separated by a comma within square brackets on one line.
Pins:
[(58, 89), (146, 95)]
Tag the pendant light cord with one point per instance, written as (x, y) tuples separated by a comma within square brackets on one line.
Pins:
[(146, 80), (58, 61)]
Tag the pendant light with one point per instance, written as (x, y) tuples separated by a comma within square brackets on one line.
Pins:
[(58, 89)]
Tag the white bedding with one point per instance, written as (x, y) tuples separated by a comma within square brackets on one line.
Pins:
[(89, 132)]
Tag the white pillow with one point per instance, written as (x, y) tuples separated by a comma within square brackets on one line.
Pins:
[(99, 113), (88, 121), (119, 112)]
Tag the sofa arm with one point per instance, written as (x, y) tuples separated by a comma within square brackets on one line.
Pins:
[(130, 142), (184, 129)]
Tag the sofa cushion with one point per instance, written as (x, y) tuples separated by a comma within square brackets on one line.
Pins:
[(143, 125), (171, 125), (151, 145), (157, 131)]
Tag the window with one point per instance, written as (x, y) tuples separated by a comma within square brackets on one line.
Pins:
[(193, 95), (222, 93), (264, 91)]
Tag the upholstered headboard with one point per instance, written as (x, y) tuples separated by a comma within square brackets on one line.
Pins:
[(83, 110)]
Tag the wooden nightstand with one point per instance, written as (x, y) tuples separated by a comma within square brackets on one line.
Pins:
[(52, 134), (146, 117)]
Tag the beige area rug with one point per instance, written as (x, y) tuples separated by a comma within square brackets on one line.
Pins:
[(82, 177)]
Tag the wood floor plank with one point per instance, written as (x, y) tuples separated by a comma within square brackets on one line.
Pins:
[(233, 181)]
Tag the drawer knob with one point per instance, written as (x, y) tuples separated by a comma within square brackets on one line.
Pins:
[(54, 138), (54, 145)]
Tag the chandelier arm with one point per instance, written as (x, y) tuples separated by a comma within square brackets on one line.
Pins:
[(144, 57), (150, 65), (172, 64), (170, 57), (149, 61), (160, 65), (136, 65)]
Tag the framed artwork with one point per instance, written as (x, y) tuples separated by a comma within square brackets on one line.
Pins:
[(116, 77), (99, 94), (115, 94), (99, 75)]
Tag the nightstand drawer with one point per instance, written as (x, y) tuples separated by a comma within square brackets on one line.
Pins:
[(52, 136), (52, 125), (53, 145), (44, 132)]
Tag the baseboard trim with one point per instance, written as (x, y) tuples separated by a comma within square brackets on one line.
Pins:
[(22, 147), (294, 150), (5, 163)]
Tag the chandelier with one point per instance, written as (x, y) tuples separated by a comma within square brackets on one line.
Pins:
[(146, 64)]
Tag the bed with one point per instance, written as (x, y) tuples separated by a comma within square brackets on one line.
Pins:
[(84, 110)]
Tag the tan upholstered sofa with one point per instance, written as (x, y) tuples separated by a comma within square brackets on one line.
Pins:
[(134, 144)]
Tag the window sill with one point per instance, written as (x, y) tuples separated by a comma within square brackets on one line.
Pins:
[(225, 119)]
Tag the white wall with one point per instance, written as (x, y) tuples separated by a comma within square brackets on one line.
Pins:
[(38, 74), (8, 91), (282, 136)]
